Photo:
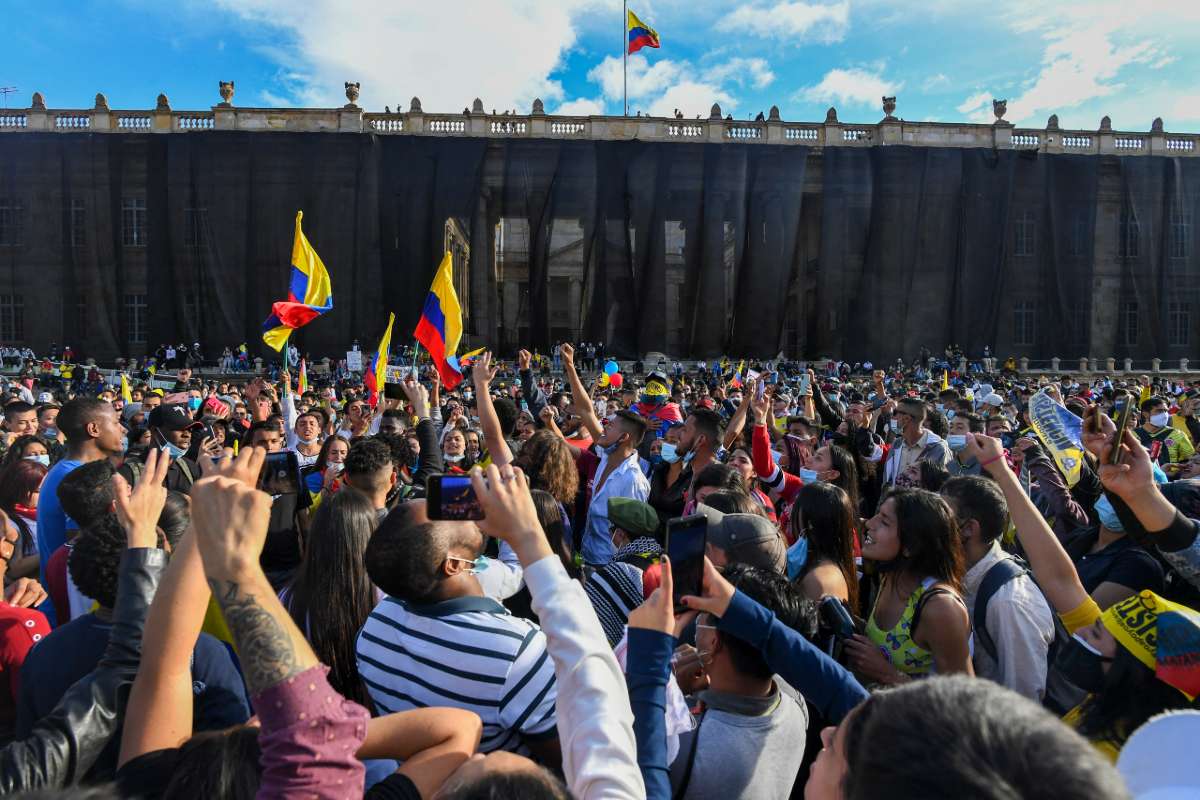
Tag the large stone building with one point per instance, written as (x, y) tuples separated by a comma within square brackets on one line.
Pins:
[(120, 230)]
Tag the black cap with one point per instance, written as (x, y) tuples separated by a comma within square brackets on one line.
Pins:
[(172, 418)]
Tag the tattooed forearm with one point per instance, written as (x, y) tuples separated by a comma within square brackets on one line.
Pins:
[(264, 646)]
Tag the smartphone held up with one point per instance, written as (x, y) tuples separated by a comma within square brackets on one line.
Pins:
[(451, 497)]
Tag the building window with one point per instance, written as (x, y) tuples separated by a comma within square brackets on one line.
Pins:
[(135, 318), (1129, 234), (1078, 244), (1025, 234), (1127, 324), (78, 222), (1025, 323), (12, 318), (195, 220), (12, 223), (1181, 231), (1179, 323), (133, 221)]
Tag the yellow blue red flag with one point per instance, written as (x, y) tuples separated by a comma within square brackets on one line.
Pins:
[(638, 33), (310, 293), (377, 372), (440, 326)]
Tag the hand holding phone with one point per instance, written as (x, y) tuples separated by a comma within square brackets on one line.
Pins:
[(451, 497), (1124, 408), (687, 538)]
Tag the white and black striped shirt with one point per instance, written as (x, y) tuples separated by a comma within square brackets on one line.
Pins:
[(467, 653)]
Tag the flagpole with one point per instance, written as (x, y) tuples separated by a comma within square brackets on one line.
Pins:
[(625, 51)]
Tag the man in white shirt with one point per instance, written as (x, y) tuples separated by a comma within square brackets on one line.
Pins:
[(617, 475), (1012, 640)]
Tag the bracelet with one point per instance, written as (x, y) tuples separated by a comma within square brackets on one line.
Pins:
[(991, 460)]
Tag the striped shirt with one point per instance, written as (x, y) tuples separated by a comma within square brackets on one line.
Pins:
[(469, 653)]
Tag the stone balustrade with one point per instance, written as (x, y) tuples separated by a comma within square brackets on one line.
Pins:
[(715, 128)]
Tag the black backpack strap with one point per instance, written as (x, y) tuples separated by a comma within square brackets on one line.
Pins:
[(997, 575), (916, 618)]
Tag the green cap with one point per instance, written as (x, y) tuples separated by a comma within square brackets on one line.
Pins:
[(633, 516)]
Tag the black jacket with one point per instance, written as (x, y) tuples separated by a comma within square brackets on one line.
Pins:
[(65, 743)]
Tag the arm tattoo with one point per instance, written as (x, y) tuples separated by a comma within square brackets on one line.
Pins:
[(264, 647)]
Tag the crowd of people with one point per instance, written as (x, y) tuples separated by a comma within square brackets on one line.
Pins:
[(234, 588)]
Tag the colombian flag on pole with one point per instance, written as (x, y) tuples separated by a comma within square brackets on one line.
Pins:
[(126, 395), (377, 372), (639, 33), (440, 327), (310, 293)]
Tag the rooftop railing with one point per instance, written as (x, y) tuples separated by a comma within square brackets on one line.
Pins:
[(715, 128)]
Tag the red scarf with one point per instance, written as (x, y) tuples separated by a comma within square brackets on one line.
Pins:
[(25, 511)]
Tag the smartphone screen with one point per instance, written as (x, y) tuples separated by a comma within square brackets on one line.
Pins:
[(280, 473), (686, 540), (451, 497)]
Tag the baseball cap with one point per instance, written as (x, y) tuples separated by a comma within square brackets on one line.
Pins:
[(633, 516), (172, 418), (746, 539)]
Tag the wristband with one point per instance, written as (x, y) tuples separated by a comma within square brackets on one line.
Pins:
[(991, 460)]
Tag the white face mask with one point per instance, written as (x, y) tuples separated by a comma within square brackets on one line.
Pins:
[(41, 458), (1161, 419)]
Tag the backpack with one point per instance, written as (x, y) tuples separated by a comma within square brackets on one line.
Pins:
[(1000, 573)]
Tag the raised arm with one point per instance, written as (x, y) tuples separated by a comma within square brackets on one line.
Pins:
[(595, 723), (738, 421), (483, 373), (429, 460), (159, 714), (300, 713), (1051, 565), (535, 398), (579, 395)]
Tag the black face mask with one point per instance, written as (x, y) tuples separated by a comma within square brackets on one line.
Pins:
[(1082, 666)]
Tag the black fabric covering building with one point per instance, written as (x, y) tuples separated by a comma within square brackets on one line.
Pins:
[(855, 252)]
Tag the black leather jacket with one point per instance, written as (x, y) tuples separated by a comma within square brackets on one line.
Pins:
[(65, 743)]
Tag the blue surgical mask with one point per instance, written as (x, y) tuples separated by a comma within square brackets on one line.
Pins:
[(124, 444), (478, 564), (797, 557), (808, 476), (1108, 515), (194, 403), (41, 458), (956, 441), (669, 453), (51, 433), (894, 425), (173, 450)]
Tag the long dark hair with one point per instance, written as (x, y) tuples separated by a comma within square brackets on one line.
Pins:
[(847, 466), (331, 595), (323, 456), (827, 516), (1132, 694), (929, 532), (550, 516), (16, 451)]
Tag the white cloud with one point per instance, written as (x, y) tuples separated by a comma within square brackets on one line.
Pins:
[(934, 82), (581, 107), (791, 20), (850, 87), (753, 71), (660, 88), (1086, 51), (974, 103), (398, 50)]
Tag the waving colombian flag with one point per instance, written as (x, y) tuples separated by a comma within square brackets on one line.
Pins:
[(640, 34), (377, 373), (310, 293), (440, 328)]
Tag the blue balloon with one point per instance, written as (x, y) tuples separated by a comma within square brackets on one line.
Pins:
[(611, 367)]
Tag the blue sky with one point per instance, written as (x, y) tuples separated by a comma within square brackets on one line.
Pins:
[(944, 60)]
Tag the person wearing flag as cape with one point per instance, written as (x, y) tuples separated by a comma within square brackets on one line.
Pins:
[(655, 404)]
